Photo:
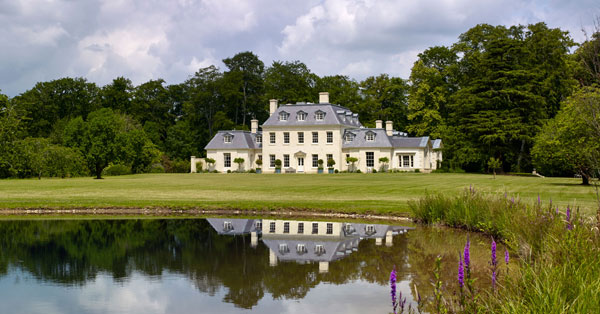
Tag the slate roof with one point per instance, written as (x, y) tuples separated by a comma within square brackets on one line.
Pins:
[(334, 249), (381, 139), (437, 143), (380, 230), (406, 142), (334, 115), (240, 226), (240, 140)]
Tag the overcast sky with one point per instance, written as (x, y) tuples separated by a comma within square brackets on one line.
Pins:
[(42, 40)]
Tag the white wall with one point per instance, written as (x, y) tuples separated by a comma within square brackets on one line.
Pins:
[(249, 156)]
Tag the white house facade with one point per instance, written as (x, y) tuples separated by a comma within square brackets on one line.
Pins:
[(301, 134)]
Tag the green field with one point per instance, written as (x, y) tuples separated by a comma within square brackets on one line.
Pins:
[(376, 193)]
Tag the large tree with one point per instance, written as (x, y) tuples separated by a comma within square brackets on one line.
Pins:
[(245, 79), (290, 82), (571, 141)]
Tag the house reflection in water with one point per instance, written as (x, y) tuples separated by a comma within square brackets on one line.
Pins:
[(307, 241)]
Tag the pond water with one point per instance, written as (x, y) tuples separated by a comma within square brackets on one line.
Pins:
[(224, 265)]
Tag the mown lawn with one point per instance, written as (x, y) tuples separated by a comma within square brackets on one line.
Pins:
[(378, 193)]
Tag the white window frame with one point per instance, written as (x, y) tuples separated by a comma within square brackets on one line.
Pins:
[(286, 161), (301, 116), (315, 161), (319, 115), (272, 227), (329, 229), (272, 137), (370, 161), (327, 157), (300, 137), (272, 159), (370, 137), (286, 137), (319, 249), (329, 137), (315, 137), (227, 226), (301, 248), (283, 116), (227, 160), (259, 138), (286, 227), (300, 228), (315, 228), (227, 138)]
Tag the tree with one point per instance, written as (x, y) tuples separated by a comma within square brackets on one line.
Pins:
[(239, 161), (572, 138), (383, 161), (352, 160), (290, 82), (10, 132), (330, 163), (493, 164), (117, 95), (246, 78), (259, 163), (384, 98), (210, 162)]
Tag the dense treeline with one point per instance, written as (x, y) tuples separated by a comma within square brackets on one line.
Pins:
[(488, 95)]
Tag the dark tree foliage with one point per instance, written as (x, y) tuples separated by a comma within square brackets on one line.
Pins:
[(290, 82)]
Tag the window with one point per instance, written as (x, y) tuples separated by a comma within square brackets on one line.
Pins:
[(349, 137), (315, 136), (407, 161), (259, 138), (301, 116), (329, 228), (411, 161), (286, 137), (227, 226), (300, 137), (283, 116), (315, 228), (370, 137), (315, 161), (227, 138), (300, 227), (370, 159), (319, 115), (283, 248), (272, 227), (286, 161), (286, 227), (272, 161), (272, 137), (258, 225), (329, 156), (330, 137), (347, 156), (319, 249), (226, 160), (370, 229), (301, 248)]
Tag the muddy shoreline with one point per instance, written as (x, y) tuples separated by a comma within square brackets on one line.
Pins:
[(189, 213)]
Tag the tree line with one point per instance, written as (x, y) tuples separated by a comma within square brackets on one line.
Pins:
[(487, 96)]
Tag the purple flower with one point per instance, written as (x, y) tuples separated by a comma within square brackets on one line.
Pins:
[(506, 257), (539, 200), (493, 279), (467, 257), (393, 288), (512, 199), (494, 261), (461, 273), (569, 225)]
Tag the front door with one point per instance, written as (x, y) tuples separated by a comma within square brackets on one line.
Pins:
[(300, 164)]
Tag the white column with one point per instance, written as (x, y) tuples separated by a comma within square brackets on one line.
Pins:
[(272, 258), (388, 238), (193, 164), (253, 239), (323, 267)]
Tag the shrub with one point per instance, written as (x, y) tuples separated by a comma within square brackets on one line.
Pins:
[(157, 168), (180, 166), (358, 171), (117, 170), (199, 166), (417, 170), (336, 171), (228, 171), (251, 171), (374, 171)]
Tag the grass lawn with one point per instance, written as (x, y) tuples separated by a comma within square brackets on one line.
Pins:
[(377, 193)]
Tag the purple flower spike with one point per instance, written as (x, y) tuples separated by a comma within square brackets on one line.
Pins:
[(512, 199), (569, 225), (461, 273), (539, 200), (506, 257), (493, 279), (393, 288), (494, 260)]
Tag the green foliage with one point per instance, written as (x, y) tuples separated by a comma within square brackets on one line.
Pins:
[(240, 162), (259, 163), (277, 163), (10, 132), (117, 170), (320, 163), (330, 162), (493, 164), (571, 141), (290, 82)]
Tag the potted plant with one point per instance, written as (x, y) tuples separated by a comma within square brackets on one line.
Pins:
[(239, 161), (352, 160), (320, 162), (259, 164), (330, 164), (211, 163), (383, 161), (277, 165)]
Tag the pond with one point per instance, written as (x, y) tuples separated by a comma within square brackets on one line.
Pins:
[(224, 265)]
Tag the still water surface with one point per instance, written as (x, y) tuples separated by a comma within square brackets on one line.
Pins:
[(217, 265)]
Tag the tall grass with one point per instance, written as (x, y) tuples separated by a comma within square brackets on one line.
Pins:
[(559, 254)]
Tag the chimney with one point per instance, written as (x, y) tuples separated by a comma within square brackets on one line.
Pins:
[(253, 126), (378, 124), (323, 97), (272, 106), (389, 128)]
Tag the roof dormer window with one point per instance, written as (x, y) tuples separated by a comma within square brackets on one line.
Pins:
[(227, 226), (319, 115), (283, 116), (319, 249), (227, 138), (259, 138), (301, 116), (301, 249), (349, 137), (370, 137)]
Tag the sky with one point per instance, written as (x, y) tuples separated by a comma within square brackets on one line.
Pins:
[(42, 40)]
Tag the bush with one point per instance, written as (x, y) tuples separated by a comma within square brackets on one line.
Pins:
[(417, 170), (251, 171), (199, 166), (116, 170), (374, 170), (336, 171), (358, 171), (228, 171), (157, 168)]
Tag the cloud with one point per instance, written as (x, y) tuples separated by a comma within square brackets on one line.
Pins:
[(151, 39)]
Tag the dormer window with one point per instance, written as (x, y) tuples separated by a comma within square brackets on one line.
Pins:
[(349, 137), (283, 248), (370, 229), (259, 138), (301, 249), (370, 137), (227, 138), (283, 116), (227, 226), (319, 115), (319, 249), (301, 116)]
